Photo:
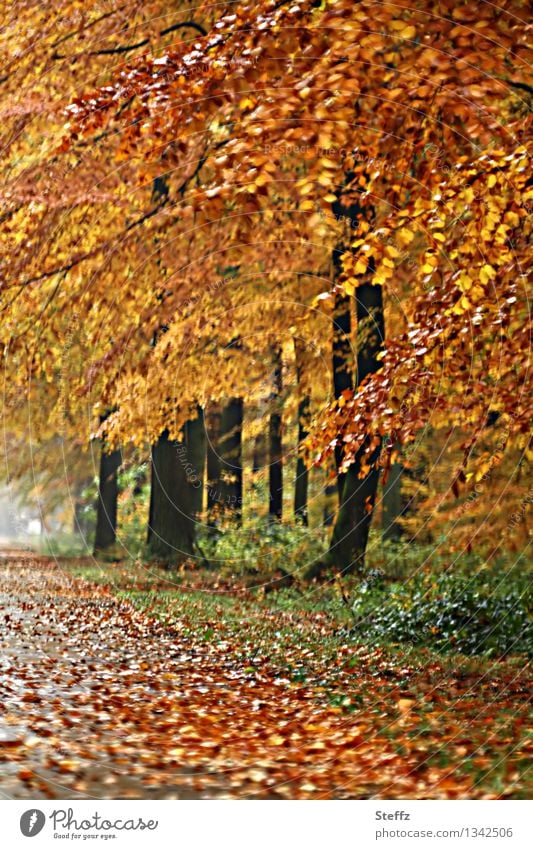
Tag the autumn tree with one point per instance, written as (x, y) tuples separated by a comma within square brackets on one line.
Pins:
[(263, 126)]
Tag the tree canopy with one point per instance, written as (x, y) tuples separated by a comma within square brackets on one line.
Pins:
[(174, 182)]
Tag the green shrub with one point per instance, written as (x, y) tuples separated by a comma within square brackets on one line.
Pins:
[(264, 549), (481, 614)]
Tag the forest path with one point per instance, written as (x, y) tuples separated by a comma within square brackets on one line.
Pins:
[(99, 700), (81, 687)]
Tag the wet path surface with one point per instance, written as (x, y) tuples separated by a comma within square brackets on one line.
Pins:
[(87, 685)]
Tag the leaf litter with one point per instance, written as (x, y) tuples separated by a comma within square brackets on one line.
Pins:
[(103, 699)]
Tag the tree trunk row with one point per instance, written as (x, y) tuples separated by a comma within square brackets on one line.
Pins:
[(179, 468)]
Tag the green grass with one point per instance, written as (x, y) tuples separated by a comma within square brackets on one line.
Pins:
[(410, 595), (479, 612)]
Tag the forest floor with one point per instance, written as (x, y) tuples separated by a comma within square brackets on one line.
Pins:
[(125, 685)]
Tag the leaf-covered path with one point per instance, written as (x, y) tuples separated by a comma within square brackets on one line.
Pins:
[(100, 700)]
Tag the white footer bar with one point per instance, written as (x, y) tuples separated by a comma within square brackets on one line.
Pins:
[(267, 825)]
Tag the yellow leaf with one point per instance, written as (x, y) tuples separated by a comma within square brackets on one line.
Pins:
[(464, 282), (176, 753), (257, 775), (317, 746), (512, 219), (477, 293), (68, 765), (487, 273), (405, 236), (384, 271), (403, 29)]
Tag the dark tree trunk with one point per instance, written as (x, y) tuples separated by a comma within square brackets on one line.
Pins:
[(173, 497), (342, 355), (302, 472), (106, 507), (330, 506), (213, 459), (230, 449), (393, 505), (259, 459), (275, 475), (195, 441), (350, 533)]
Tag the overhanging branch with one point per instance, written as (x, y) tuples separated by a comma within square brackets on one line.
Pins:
[(127, 48)]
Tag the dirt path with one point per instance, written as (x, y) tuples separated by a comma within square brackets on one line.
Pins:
[(77, 695), (98, 700)]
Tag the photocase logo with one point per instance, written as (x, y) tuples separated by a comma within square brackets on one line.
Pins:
[(32, 822)]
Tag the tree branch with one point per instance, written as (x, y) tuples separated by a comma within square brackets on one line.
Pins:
[(126, 48), (522, 86), (513, 84), (190, 24)]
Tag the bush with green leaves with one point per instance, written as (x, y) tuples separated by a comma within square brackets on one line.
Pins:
[(264, 548), (477, 614)]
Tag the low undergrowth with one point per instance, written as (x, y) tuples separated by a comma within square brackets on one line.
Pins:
[(408, 596), (477, 614)]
